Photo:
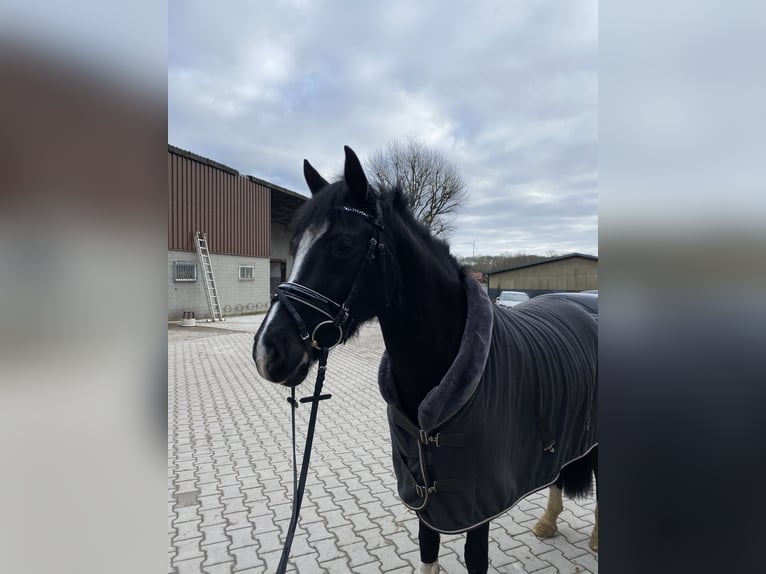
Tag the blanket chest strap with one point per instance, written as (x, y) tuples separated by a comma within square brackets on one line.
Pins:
[(437, 439)]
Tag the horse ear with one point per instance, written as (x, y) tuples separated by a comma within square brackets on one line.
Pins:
[(354, 175), (313, 179)]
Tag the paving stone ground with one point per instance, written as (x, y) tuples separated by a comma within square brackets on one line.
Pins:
[(230, 477)]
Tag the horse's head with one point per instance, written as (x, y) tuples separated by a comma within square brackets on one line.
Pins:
[(336, 276)]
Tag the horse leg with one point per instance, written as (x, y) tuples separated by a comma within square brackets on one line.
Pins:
[(429, 549), (576, 481), (594, 535), (477, 550), (546, 526)]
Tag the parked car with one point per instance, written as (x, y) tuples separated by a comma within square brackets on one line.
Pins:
[(511, 298)]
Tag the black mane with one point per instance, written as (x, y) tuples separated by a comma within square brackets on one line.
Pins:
[(397, 199)]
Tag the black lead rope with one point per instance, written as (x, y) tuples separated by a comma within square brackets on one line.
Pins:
[(301, 484), (294, 404)]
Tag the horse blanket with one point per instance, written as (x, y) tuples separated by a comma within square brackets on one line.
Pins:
[(517, 404)]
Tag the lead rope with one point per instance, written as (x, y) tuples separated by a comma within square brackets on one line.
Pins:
[(294, 404), (301, 485)]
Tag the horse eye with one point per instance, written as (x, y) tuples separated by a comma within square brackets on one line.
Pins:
[(343, 247)]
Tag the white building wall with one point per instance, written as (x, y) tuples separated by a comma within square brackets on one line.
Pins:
[(236, 296)]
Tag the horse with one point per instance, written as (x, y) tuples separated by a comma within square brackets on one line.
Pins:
[(362, 246)]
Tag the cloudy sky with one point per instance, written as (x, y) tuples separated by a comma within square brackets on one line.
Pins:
[(506, 90)]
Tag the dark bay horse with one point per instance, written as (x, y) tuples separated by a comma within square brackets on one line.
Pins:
[(362, 247)]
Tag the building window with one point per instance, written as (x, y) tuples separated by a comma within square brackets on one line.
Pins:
[(246, 272), (184, 271)]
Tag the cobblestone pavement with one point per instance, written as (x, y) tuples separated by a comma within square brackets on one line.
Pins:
[(230, 478)]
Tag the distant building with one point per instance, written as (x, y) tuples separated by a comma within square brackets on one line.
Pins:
[(573, 272), (245, 219)]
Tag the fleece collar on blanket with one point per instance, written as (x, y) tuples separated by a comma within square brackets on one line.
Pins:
[(461, 379)]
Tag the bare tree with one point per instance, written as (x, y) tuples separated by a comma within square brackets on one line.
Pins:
[(433, 184)]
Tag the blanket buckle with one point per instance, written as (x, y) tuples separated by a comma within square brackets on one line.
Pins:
[(422, 491), (426, 439)]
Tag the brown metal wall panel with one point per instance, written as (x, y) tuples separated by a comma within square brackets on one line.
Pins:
[(176, 203), (223, 202), (174, 214), (190, 199), (176, 200), (192, 191), (267, 227), (185, 195), (207, 220), (265, 231), (187, 199), (233, 210), (234, 213), (255, 208), (174, 209), (228, 224), (260, 232), (246, 190), (181, 202), (195, 189), (170, 199), (238, 215), (218, 192), (243, 230), (183, 205), (229, 213)]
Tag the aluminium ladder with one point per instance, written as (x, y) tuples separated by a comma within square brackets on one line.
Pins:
[(200, 241)]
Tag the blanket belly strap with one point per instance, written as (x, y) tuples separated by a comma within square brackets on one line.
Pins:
[(453, 440)]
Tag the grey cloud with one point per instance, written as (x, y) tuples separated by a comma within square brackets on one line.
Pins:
[(506, 90)]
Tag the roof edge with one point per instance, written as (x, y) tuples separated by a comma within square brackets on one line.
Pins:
[(193, 156), (207, 161)]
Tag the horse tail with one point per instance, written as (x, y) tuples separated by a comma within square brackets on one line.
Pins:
[(576, 478)]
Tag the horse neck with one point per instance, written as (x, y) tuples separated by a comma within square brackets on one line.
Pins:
[(423, 327)]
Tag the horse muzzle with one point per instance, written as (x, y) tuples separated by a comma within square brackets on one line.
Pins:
[(280, 361)]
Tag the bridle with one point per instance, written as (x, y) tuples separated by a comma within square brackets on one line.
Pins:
[(324, 336)]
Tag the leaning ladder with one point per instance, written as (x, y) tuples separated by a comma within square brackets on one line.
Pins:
[(200, 241)]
